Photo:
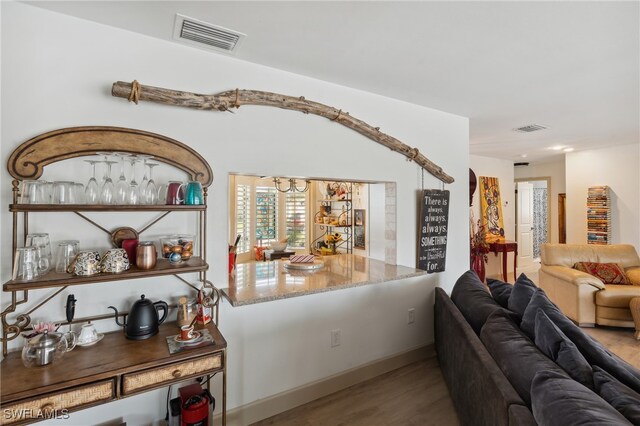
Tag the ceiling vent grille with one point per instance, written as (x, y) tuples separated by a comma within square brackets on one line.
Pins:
[(207, 36), (530, 128)]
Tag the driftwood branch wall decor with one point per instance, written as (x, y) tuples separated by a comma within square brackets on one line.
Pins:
[(224, 101)]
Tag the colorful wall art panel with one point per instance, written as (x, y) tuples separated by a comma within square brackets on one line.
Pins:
[(491, 208)]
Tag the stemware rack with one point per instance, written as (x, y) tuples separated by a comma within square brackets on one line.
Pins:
[(28, 162)]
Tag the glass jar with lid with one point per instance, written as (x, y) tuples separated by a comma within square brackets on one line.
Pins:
[(187, 311)]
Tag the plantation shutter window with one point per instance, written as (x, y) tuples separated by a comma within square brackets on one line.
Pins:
[(295, 219), (243, 217), (266, 215)]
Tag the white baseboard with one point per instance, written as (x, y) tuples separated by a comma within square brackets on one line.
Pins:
[(278, 403)]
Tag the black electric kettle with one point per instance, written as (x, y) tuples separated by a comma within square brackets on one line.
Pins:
[(143, 319)]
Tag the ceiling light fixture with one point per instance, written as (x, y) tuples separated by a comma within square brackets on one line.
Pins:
[(557, 147), (293, 187), (568, 149), (530, 128), (523, 156)]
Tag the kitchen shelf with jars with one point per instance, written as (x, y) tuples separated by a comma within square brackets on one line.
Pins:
[(127, 370), (333, 221)]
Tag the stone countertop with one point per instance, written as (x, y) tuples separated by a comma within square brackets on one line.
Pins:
[(259, 282)]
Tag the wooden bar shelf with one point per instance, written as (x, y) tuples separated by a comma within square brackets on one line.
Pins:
[(58, 279), (102, 208), (113, 359), (115, 367)]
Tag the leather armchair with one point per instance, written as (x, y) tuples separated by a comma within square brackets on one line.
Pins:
[(582, 297)]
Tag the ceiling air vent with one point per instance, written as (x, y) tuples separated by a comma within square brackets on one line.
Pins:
[(530, 128), (207, 36)]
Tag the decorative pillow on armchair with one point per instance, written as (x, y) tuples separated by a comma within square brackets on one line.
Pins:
[(609, 273)]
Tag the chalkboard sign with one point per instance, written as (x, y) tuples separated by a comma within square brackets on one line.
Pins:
[(433, 227)]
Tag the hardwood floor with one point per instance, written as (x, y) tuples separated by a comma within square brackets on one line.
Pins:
[(620, 341), (415, 395)]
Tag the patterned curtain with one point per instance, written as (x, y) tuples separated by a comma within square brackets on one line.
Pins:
[(539, 219)]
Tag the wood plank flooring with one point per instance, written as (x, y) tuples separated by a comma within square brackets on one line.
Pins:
[(618, 340), (414, 395)]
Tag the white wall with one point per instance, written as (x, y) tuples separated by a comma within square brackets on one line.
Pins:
[(57, 72), (617, 167), (554, 170), (503, 170)]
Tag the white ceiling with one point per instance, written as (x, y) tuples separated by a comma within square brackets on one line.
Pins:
[(571, 66)]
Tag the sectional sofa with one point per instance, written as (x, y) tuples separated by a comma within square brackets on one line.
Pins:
[(510, 357)]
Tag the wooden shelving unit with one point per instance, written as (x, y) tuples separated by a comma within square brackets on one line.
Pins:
[(57, 279), (599, 215), (69, 384)]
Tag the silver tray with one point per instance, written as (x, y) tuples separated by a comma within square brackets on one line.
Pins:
[(317, 264)]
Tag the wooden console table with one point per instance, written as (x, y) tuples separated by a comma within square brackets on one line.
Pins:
[(505, 247), (113, 368)]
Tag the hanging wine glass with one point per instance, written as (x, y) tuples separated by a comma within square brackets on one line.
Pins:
[(108, 192), (145, 180), (92, 191), (151, 190), (122, 186), (104, 160), (133, 194)]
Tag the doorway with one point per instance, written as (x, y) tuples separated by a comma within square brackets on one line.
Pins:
[(532, 218), (562, 218)]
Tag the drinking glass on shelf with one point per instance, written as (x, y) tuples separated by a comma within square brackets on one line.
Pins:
[(34, 192), (63, 192), (42, 246), (133, 194), (79, 193), (145, 181), (108, 191), (105, 158), (92, 191), (65, 253), (25, 264), (162, 194), (122, 186), (151, 190)]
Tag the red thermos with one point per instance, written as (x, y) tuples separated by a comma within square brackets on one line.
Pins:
[(194, 406)]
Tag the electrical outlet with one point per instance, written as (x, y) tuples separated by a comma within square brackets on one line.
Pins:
[(335, 338), (411, 316)]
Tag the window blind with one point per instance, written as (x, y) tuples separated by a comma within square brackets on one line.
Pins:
[(266, 215), (243, 216), (295, 219)]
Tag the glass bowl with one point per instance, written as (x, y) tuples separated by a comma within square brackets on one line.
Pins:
[(177, 248)]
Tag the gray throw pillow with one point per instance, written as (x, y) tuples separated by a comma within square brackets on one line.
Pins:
[(591, 349), (558, 400), (500, 291), (539, 301), (521, 294), (621, 397), (517, 357), (554, 344), (473, 300)]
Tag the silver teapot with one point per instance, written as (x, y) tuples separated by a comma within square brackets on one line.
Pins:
[(45, 348)]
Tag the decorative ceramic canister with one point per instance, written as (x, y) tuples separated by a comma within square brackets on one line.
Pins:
[(86, 263), (115, 261)]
